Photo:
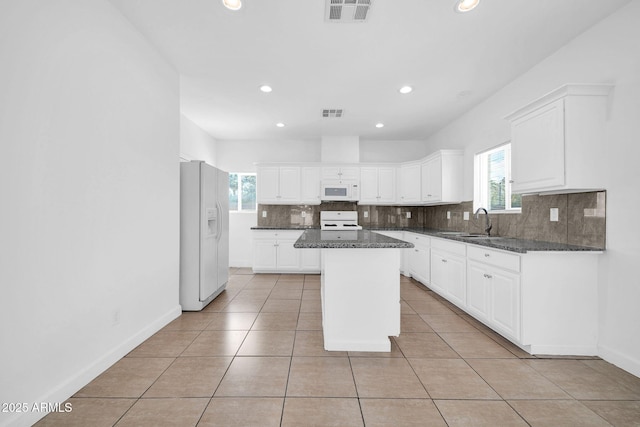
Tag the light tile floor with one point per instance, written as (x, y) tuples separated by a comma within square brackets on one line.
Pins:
[(255, 357)]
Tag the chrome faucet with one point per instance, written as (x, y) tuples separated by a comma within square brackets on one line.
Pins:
[(487, 224)]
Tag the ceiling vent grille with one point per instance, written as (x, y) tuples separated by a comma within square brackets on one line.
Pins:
[(332, 113), (347, 10)]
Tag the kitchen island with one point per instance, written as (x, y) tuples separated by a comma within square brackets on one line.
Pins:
[(360, 287)]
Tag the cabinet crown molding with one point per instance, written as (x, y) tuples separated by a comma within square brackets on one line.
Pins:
[(573, 89)]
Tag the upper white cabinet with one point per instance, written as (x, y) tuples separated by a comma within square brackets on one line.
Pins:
[(340, 173), (557, 141), (278, 184), (310, 185), (377, 185), (442, 177), (409, 183)]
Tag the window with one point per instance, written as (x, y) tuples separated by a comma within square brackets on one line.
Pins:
[(242, 192), (492, 181)]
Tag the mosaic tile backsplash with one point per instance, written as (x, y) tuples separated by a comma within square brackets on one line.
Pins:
[(581, 218)]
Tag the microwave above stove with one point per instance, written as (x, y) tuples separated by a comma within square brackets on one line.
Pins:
[(340, 190)]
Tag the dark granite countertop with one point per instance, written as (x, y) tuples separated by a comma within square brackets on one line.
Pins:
[(496, 242), (349, 239), (299, 227)]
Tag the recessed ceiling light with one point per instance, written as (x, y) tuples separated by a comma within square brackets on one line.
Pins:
[(265, 88), (466, 5), (280, 125), (232, 4), (379, 125), (405, 89)]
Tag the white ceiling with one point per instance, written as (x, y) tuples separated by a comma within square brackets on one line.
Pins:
[(452, 60)]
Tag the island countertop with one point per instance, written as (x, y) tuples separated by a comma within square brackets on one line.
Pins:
[(348, 239)]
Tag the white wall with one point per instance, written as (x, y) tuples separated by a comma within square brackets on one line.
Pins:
[(240, 238), (606, 53), (392, 151), (89, 186), (240, 156), (195, 143)]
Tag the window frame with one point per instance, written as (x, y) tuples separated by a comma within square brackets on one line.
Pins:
[(481, 179), (239, 189)]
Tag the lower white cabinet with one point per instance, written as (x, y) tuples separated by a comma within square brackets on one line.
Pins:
[(544, 301), (273, 252), (448, 272), (493, 296), (418, 258)]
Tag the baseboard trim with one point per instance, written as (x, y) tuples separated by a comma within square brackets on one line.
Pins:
[(622, 361), (64, 391)]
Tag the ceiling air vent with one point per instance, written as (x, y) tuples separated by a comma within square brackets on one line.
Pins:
[(347, 10), (332, 113)]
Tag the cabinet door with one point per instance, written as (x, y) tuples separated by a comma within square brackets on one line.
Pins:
[(537, 149), (410, 182), (289, 184), (432, 179), (368, 185), (350, 173), (456, 280), (264, 255), (477, 290), (438, 272), (288, 257), (419, 262), (331, 172), (505, 302), (310, 184), (310, 259), (387, 184), (268, 184)]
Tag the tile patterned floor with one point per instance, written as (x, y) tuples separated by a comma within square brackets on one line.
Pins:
[(254, 357)]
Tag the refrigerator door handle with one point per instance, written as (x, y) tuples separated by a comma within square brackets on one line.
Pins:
[(219, 222)]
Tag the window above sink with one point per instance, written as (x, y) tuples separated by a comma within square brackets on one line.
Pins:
[(492, 181)]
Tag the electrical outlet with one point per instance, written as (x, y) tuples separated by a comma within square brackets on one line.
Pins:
[(553, 214), (408, 215), (303, 214), (264, 214), (448, 214), (465, 216), (115, 317), (366, 214)]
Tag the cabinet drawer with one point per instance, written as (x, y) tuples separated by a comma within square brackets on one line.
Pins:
[(417, 239), (500, 259), (449, 246), (277, 234)]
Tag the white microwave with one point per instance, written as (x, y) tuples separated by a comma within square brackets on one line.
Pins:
[(340, 190)]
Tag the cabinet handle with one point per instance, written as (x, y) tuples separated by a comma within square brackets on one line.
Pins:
[(416, 250), (443, 260), (510, 181), (487, 255), (488, 276)]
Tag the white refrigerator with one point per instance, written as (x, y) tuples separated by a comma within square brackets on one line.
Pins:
[(204, 234)]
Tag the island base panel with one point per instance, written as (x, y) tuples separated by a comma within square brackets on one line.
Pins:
[(360, 299)]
